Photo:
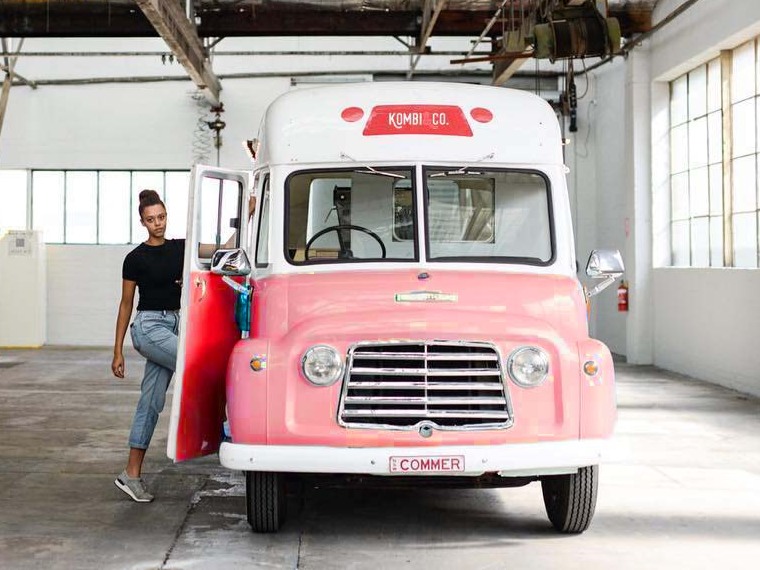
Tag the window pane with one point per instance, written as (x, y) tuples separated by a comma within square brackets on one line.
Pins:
[(745, 194), (12, 200), (262, 242), (679, 149), (714, 88), (743, 72), (142, 180), (319, 202), (113, 207), (698, 143), (699, 197), (177, 190), (716, 241), (715, 137), (716, 190), (209, 210), (745, 240), (698, 92), (81, 207), (47, 204), (679, 196), (680, 240), (678, 102), (744, 128), (219, 215), (700, 242)]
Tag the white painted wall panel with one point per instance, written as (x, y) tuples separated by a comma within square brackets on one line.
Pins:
[(707, 325), (83, 292)]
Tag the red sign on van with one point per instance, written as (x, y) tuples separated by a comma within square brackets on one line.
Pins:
[(417, 120)]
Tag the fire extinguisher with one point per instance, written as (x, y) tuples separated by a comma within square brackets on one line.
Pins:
[(622, 296)]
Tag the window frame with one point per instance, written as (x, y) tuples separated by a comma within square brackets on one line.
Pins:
[(412, 168), (532, 261)]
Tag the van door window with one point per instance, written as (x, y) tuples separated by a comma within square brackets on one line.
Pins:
[(262, 238), (219, 216)]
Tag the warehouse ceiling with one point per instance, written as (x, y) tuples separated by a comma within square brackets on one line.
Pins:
[(503, 33), (222, 18)]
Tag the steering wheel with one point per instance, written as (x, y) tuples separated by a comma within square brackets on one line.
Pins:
[(345, 253)]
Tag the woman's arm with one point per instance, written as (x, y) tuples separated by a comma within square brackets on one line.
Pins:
[(122, 322)]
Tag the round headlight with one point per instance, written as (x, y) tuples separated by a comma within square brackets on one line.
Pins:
[(528, 366), (322, 365)]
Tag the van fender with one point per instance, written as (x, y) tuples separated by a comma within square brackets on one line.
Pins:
[(598, 400)]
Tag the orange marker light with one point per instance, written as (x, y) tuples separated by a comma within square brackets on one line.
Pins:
[(591, 368)]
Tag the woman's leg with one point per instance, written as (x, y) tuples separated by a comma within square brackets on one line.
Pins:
[(155, 337)]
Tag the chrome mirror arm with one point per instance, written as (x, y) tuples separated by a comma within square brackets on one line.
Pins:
[(599, 287)]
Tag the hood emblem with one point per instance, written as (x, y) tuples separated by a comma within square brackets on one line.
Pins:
[(426, 297)]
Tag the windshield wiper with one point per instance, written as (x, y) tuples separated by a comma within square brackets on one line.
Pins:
[(460, 170), (371, 170), (463, 169)]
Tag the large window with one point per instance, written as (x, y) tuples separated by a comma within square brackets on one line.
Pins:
[(714, 182), (95, 206)]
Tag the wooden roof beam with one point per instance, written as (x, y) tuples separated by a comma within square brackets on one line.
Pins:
[(171, 23)]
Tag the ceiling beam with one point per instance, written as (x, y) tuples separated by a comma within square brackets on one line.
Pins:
[(172, 25), (429, 18), (505, 68), (101, 19)]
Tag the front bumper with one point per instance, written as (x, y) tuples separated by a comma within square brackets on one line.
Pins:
[(509, 460)]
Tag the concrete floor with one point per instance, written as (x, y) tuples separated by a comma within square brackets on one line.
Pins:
[(684, 491)]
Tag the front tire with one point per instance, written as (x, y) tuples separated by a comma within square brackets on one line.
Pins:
[(265, 500), (570, 500)]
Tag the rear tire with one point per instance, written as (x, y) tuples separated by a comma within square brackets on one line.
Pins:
[(265, 500), (570, 500)]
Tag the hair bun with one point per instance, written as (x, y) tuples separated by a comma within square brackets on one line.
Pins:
[(149, 196)]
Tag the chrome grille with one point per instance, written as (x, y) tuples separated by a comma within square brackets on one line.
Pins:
[(450, 385)]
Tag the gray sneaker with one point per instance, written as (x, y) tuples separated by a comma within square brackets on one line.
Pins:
[(135, 488)]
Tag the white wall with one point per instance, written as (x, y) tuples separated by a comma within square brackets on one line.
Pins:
[(707, 325), (700, 322), (83, 292), (706, 320)]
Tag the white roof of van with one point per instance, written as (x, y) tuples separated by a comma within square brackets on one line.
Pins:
[(410, 121)]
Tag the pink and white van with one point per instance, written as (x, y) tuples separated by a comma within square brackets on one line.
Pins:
[(404, 303)]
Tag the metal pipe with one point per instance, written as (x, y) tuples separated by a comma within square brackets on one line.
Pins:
[(229, 53), (362, 72)]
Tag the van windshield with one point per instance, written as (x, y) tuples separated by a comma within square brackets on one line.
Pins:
[(353, 215), (488, 215)]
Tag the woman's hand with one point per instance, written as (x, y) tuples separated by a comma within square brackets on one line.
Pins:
[(117, 366)]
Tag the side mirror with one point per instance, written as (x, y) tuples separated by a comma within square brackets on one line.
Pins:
[(230, 262), (604, 264)]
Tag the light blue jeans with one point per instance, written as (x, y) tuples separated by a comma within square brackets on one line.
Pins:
[(154, 336)]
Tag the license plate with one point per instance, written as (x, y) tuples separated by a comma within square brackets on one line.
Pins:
[(427, 464)]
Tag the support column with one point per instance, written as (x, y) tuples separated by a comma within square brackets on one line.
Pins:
[(638, 220)]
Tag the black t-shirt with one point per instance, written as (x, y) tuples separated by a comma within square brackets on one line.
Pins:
[(157, 269)]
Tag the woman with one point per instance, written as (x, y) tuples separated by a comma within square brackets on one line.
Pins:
[(155, 267)]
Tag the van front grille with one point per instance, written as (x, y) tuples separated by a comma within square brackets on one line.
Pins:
[(448, 385)]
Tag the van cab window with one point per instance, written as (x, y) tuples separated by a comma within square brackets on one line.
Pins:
[(488, 215), (350, 216)]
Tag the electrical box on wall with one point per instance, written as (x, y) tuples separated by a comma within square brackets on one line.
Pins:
[(23, 293)]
